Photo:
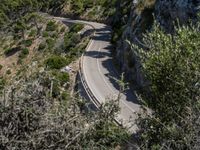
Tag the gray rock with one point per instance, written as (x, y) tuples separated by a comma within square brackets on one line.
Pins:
[(165, 12)]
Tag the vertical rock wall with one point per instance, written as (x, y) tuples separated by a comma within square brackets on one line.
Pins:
[(142, 15)]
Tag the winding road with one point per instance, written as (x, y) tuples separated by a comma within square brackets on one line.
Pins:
[(98, 74)]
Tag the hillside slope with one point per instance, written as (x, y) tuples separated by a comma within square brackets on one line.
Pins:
[(156, 46)]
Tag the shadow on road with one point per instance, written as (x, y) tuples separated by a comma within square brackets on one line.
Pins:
[(113, 76), (96, 54)]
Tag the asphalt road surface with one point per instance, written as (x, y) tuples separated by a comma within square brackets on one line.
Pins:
[(99, 74)]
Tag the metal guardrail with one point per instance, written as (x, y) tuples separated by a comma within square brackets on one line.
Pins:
[(85, 85), (84, 82)]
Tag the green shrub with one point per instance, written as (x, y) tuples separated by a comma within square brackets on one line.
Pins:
[(1, 66), (2, 83), (74, 52), (56, 62), (27, 43), (67, 42), (65, 96), (55, 89), (54, 35), (45, 34), (62, 30), (42, 46), (71, 40), (69, 59), (7, 51), (33, 33), (116, 34), (76, 28), (8, 72), (51, 26), (62, 77), (50, 43), (3, 19), (75, 39), (172, 67), (24, 53)]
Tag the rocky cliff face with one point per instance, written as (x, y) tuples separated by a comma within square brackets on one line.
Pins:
[(142, 15), (167, 11)]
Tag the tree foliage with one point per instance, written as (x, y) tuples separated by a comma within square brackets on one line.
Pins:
[(172, 68), (56, 62)]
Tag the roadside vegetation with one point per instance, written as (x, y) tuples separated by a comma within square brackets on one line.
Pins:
[(94, 10), (172, 71), (34, 116)]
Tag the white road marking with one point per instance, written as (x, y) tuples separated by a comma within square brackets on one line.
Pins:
[(102, 73)]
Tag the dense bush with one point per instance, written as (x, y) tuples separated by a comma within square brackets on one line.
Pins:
[(55, 35), (3, 19), (173, 69), (32, 33), (63, 77), (56, 62), (62, 29), (76, 28), (45, 34), (56, 89), (24, 53), (8, 72), (65, 96), (1, 66), (42, 46), (2, 84), (27, 43), (50, 43), (32, 119), (71, 40), (51, 26)]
